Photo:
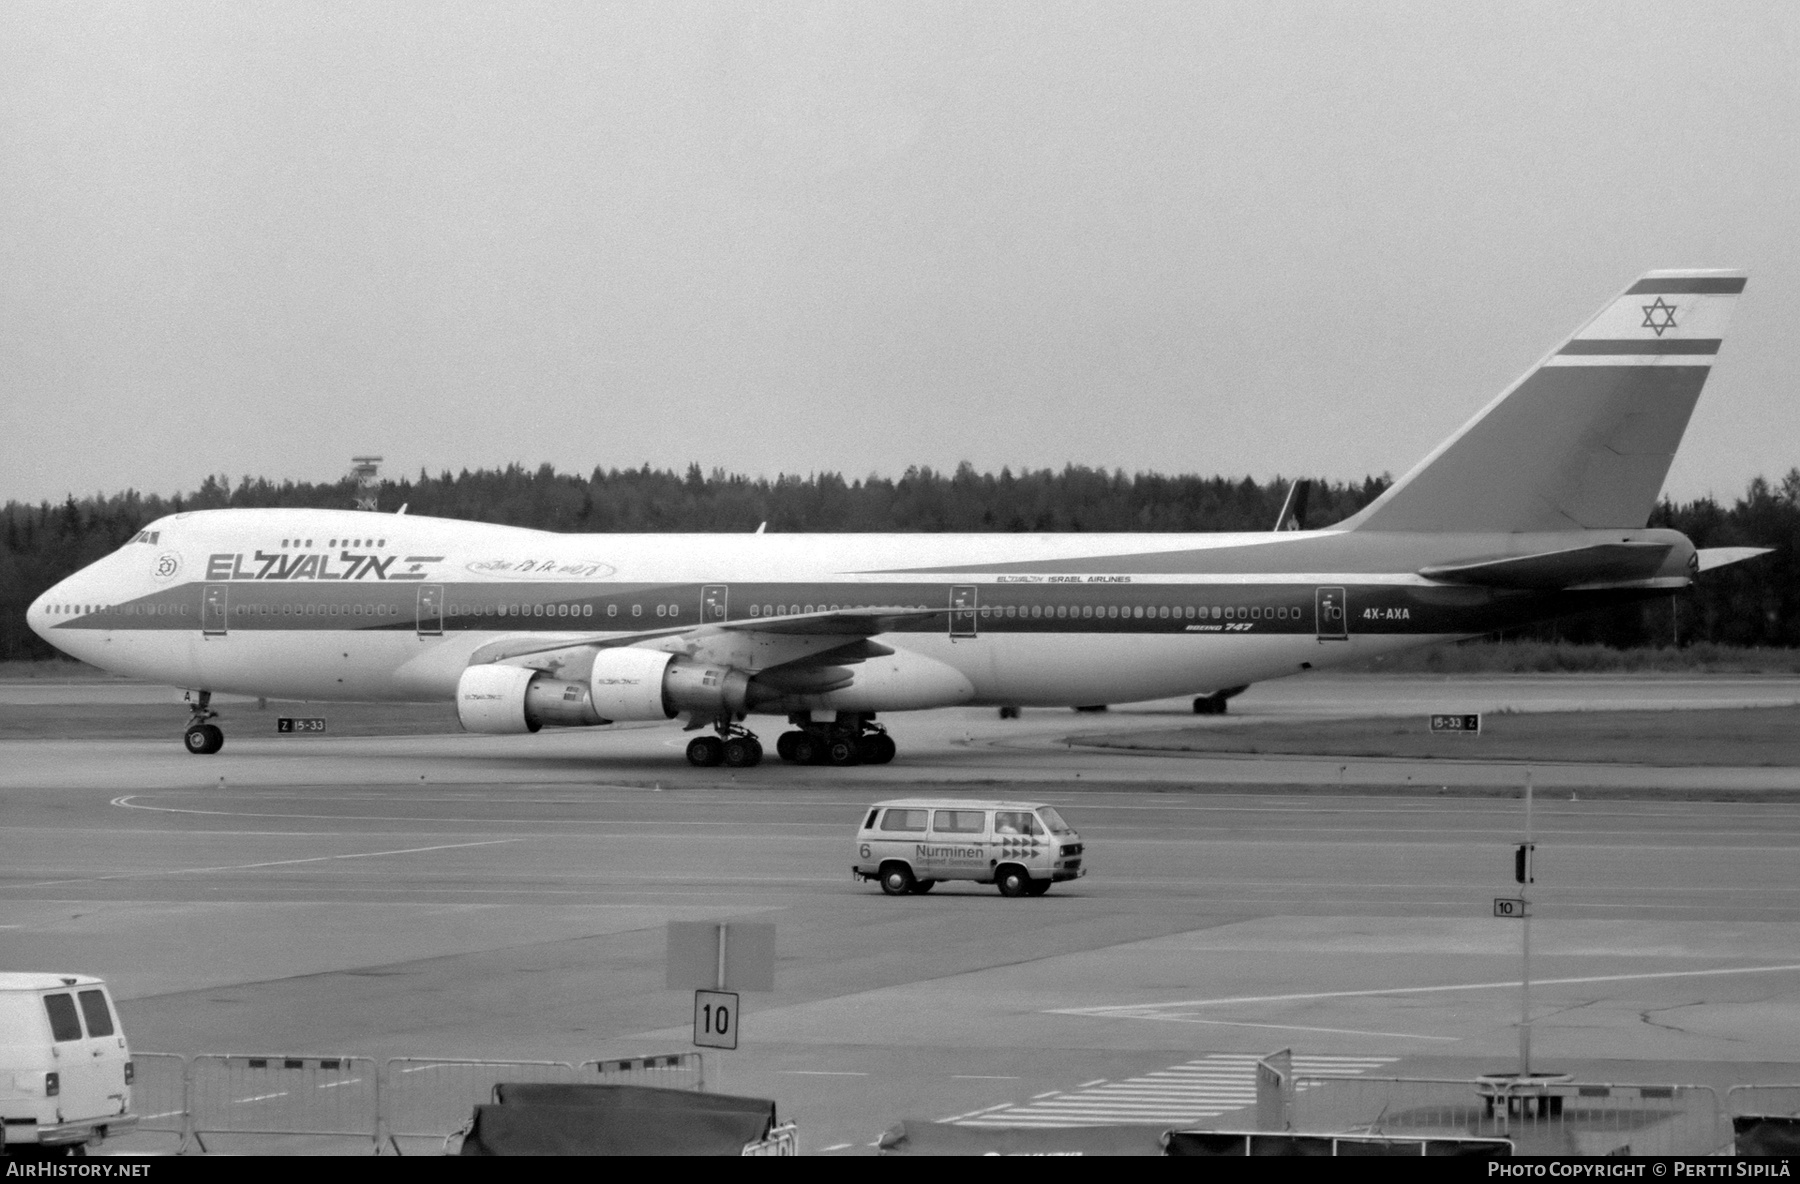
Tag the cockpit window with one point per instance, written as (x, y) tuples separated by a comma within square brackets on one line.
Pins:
[(147, 536)]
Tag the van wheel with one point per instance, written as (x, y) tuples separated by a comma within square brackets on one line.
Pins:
[(897, 879), (921, 887), (1039, 887), (1012, 881)]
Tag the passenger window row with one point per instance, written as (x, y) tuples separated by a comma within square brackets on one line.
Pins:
[(961, 822), (315, 610), (1165, 612)]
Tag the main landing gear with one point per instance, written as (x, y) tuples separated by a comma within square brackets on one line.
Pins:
[(847, 740), (203, 738), (734, 747)]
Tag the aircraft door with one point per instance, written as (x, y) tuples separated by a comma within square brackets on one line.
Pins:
[(714, 603), (431, 610), (212, 610), (962, 610), (1331, 616)]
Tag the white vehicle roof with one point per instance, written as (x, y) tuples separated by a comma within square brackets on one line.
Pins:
[(46, 982), (957, 804)]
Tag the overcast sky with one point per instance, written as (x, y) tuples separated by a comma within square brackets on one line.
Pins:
[(1219, 238)]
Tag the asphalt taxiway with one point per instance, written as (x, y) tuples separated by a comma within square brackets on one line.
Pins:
[(505, 897)]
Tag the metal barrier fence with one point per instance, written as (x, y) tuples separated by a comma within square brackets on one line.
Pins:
[(159, 1094), (1765, 1119), (239, 1094), (681, 1070), (354, 1097), (1541, 1119), (1763, 1101), (430, 1099), (781, 1140)]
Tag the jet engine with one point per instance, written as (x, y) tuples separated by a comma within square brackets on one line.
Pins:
[(520, 699), (650, 684), (631, 684)]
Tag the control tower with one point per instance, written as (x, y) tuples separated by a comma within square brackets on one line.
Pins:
[(365, 471)]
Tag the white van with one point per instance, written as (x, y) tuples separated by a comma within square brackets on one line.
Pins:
[(65, 1072), (910, 844)]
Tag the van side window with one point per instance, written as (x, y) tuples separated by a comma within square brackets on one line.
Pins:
[(1016, 822), (960, 822), (869, 822), (96, 1013), (903, 820), (63, 1023)]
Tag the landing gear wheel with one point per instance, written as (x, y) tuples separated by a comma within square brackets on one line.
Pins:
[(1039, 887), (843, 751), (203, 739), (784, 745), (741, 752), (1012, 881), (921, 887), (877, 748), (805, 749), (703, 752), (897, 880)]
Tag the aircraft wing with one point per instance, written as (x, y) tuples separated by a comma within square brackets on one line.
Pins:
[(779, 639)]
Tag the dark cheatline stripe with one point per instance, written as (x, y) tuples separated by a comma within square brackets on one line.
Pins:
[(1630, 345), (1728, 285)]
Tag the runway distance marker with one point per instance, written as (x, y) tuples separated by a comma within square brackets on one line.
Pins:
[(715, 1019), (1456, 725), (289, 724), (1509, 906)]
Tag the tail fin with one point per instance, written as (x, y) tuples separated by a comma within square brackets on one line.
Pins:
[(1585, 439), (1293, 509)]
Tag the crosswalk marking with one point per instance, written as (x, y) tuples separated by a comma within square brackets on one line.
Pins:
[(1206, 1088)]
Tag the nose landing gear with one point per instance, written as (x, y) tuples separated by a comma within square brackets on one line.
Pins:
[(203, 738)]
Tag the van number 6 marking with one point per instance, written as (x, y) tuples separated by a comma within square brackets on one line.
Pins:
[(865, 850)]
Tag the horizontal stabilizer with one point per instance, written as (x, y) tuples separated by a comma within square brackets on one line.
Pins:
[(1604, 563), (1711, 557)]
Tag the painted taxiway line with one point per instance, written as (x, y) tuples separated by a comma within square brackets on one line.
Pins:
[(1183, 1019), (242, 867), (1125, 1011)]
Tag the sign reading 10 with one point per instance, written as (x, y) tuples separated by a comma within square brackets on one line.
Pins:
[(715, 1019)]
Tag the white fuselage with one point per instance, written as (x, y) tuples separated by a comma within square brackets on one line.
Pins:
[(320, 604)]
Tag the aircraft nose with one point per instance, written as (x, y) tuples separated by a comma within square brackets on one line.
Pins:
[(37, 617)]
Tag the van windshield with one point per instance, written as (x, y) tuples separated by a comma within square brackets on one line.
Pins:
[(1055, 822)]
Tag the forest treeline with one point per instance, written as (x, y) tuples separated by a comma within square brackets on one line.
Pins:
[(1754, 603)]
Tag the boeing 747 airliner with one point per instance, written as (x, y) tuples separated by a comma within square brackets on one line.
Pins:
[(1535, 509)]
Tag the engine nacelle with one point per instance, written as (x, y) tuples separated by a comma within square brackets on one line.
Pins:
[(629, 683), (511, 699)]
